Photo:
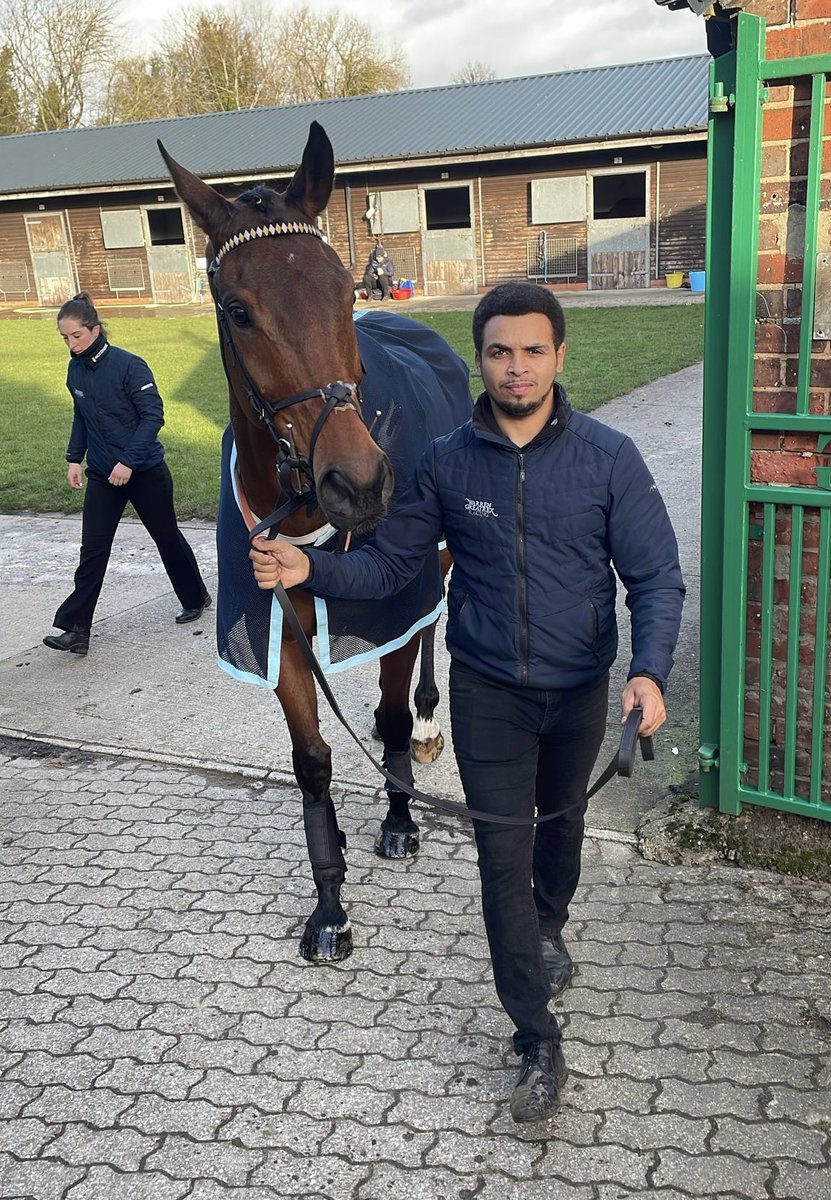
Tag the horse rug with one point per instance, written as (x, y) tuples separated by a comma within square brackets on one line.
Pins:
[(420, 388)]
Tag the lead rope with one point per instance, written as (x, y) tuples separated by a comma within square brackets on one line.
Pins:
[(621, 764)]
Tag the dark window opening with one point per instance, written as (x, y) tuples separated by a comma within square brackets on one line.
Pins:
[(447, 208), (617, 196), (165, 225)]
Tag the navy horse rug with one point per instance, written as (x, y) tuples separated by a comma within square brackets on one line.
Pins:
[(415, 389)]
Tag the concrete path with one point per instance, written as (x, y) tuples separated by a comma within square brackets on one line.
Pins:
[(151, 688), (160, 1039)]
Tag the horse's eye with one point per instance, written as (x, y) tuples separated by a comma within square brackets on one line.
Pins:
[(238, 314)]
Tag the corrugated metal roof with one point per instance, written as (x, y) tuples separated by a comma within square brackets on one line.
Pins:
[(594, 104)]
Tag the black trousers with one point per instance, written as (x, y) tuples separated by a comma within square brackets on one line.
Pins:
[(521, 751), (151, 493)]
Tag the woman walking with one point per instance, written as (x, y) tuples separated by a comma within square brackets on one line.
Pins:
[(118, 415)]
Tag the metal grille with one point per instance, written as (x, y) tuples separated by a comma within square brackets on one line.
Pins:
[(551, 258), (125, 275), (404, 260), (14, 277)]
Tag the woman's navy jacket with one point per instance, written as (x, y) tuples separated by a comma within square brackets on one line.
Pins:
[(535, 533), (118, 411)]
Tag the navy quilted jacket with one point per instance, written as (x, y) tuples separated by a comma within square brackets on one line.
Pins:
[(535, 533), (118, 411)]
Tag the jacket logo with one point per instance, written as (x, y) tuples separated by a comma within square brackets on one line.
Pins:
[(480, 508), (79, 395)]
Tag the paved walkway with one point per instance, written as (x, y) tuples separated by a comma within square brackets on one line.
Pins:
[(160, 1038)]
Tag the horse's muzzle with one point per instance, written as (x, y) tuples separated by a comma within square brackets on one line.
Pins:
[(349, 504)]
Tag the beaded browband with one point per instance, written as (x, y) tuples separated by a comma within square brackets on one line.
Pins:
[(261, 231)]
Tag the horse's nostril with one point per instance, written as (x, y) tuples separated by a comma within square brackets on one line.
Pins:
[(336, 488)]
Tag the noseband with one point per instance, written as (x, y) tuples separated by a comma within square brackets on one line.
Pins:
[(295, 472)]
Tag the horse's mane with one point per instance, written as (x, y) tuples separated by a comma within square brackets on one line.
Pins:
[(264, 199)]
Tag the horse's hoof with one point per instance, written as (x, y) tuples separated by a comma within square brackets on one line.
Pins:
[(428, 750), (389, 844), (326, 944)]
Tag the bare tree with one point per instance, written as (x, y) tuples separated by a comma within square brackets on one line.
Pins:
[(473, 71), (328, 54), (10, 120), (59, 54)]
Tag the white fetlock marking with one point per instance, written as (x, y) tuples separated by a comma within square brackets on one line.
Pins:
[(336, 928), (425, 731)]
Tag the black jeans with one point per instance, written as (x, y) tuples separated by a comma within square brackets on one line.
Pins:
[(522, 750), (151, 493)]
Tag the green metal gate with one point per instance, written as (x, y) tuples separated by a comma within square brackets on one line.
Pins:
[(766, 545)]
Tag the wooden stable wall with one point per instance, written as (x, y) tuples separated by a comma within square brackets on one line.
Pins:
[(500, 211)]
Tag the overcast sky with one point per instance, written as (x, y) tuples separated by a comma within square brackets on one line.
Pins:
[(515, 37)]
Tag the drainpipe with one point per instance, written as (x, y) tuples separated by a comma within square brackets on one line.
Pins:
[(350, 230), (657, 221), (482, 232)]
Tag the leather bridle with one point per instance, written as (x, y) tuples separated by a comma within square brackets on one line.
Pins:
[(295, 471)]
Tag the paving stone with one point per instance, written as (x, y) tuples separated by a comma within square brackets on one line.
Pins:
[(124, 1149), (98, 1107), (388, 1182), (25, 1137), (14, 1097), (131, 1078), (232, 1054), (812, 1107), (37, 1180), (710, 1099), (770, 1139), (196, 1119), (103, 1183), (297, 1134), (27, 1035), (261, 1091), (183, 1159), (613, 1031), (794, 1181), (655, 1131), (712, 1174), (585, 1164), (92, 1012), (468, 1114), (296, 1175), (371, 1144), (498, 1187), (704, 1031), (659, 1063), (74, 1070), (472, 1155), (760, 1068), (143, 1045)]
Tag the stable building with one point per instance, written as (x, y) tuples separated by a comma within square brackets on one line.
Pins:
[(581, 179)]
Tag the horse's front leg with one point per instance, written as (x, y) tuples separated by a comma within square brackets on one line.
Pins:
[(327, 936), (427, 740), (398, 836)]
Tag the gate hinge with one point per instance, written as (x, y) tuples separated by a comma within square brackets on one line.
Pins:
[(721, 101), (708, 756)]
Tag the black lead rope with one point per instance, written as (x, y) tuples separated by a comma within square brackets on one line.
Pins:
[(621, 764)]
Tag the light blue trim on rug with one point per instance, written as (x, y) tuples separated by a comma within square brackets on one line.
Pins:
[(323, 653)]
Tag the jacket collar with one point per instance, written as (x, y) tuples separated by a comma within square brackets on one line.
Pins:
[(485, 423), (94, 354)]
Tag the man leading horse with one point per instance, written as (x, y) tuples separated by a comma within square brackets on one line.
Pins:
[(538, 503)]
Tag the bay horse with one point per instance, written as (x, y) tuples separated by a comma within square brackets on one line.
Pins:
[(301, 447)]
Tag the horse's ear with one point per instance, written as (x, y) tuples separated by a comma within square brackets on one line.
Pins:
[(208, 208), (311, 186)]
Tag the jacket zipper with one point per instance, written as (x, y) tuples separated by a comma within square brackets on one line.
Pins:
[(522, 571)]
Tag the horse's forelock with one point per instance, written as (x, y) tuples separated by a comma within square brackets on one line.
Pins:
[(262, 200)]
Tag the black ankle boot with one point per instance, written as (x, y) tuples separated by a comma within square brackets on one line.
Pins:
[(76, 643), (557, 960), (536, 1096)]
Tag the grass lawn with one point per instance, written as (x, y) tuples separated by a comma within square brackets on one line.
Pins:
[(610, 352)]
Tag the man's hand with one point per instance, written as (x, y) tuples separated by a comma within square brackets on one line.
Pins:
[(120, 475), (642, 692), (75, 476), (278, 562)]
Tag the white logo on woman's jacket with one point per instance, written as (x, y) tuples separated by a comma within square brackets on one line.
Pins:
[(480, 508)]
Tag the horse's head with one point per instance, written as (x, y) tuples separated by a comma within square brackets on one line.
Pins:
[(284, 302)]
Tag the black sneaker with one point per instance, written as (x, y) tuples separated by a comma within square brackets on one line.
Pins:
[(536, 1096), (75, 643), (557, 960)]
